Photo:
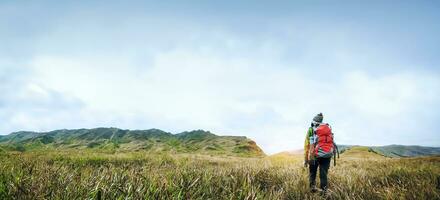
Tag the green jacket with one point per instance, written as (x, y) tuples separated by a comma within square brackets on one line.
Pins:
[(308, 148)]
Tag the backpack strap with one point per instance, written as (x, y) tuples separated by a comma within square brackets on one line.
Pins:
[(335, 151)]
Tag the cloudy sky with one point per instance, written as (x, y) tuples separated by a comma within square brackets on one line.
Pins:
[(255, 68)]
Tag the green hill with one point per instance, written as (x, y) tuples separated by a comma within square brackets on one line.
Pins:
[(118, 140), (360, 152)]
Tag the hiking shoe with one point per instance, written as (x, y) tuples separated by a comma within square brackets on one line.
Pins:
[(324, 194)]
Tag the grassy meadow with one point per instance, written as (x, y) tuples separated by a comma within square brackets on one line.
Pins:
[(359, 174)]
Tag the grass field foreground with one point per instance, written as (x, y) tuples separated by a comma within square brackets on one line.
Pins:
[(78, 175)]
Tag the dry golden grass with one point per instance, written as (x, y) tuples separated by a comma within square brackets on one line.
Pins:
[(74, 175)]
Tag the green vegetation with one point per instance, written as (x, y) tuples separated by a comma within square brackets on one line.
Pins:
[(110, 163), (77, 174), (114, 140), (111, 140)]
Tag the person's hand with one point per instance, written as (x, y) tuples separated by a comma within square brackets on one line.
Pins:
[(306, 163)]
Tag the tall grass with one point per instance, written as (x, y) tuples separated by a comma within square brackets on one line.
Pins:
[(76, 175)]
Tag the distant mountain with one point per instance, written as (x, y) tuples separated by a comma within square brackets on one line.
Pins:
[(118, 140), (393, 151), (405, 151)]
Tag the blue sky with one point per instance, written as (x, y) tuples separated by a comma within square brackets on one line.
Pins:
[(255, 68)]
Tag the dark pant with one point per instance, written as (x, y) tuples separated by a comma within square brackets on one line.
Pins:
[(324, 165)]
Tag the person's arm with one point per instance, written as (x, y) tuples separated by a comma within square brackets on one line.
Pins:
[(306, 147), (312, 147)]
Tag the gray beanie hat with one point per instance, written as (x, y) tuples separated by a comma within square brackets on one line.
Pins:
[(318, 118)]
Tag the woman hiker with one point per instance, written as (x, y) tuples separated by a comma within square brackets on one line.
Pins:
[(318, 150)]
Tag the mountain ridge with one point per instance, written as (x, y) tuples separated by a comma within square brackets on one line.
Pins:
[(115, 140)]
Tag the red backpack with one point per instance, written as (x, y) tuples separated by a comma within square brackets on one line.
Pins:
[(325, 146)]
